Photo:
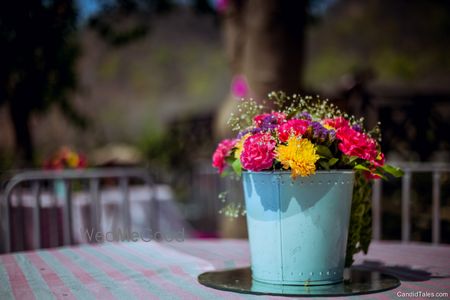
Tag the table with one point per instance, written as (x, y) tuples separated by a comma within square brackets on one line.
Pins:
[(152, 270)]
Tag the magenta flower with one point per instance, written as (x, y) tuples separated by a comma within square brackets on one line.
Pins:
[(354, 143), (258, 152), (223, 150), (337, 122), (239, 86), (295, 127)]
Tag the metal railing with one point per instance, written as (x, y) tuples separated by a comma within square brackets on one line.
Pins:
[(36, 180), (436, 169)]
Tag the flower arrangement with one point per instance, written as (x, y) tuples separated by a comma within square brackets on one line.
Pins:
[(65, 158), (303, 135)]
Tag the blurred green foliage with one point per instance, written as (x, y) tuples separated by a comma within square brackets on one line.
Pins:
[(360, 227), (402, 41)]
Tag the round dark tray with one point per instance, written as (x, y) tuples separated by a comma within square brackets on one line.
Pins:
[(358, 282)]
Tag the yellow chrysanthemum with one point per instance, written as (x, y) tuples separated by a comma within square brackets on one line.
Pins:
[(240, 146), (299, 155)]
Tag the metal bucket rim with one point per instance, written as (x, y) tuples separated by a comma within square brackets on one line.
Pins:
[(335, 171)]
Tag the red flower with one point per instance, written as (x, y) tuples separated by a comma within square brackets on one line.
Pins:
[(258, 152), (379, 160), (223, 150), (296, 127), (65, 158), (82, 161), (354, 143), (370, 175)]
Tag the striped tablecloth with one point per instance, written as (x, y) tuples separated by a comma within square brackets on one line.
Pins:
[(169, 270)]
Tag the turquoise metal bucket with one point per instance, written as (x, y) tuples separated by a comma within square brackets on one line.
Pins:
[(298, 228)]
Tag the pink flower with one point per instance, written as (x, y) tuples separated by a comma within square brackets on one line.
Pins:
[(223, 150), (239, 87), (221, 5), (296, 127), (354, 143), (259, 152), (337, 123)]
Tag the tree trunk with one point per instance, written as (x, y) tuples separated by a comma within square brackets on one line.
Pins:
[(20, 119), (273, 53), (264, 41)]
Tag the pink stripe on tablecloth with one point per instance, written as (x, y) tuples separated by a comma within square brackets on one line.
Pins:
[(115, 274), (164, 264), (97, 289), (52, 279), (202, 250), (19, 284), (217, 252), (182, 274), (155, 277), (178, 271)]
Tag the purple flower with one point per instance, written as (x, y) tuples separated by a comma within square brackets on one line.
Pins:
[(316, 132), (319, 132), (256, 130), (303, 115), (249, 130), (243, 132), (357, 127), (268, 123)]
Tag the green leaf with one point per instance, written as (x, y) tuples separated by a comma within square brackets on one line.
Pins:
[(380, 173), (332, 161), (237, 167), (352, 159), (361, 167), (324, 151), (381, 176), (230, 159), (324, 164), (394, 171), (348, 160)]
